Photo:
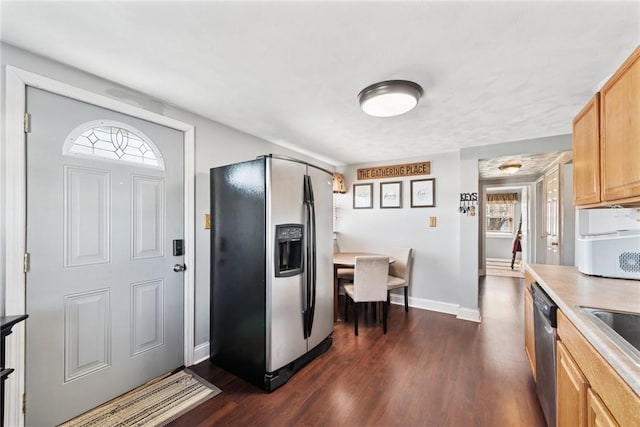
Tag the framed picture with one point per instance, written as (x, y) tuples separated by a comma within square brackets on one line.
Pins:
[(362, 196), (423, 193), (391, 194)]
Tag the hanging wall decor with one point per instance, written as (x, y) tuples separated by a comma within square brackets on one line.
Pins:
[(423, 193), (363, 196), (394, 171), (468, 203), (391, 194)]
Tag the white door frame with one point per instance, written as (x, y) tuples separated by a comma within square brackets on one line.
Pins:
[(15, 225)]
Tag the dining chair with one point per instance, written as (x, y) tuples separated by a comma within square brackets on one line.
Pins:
[(400, 273), (369, 285)]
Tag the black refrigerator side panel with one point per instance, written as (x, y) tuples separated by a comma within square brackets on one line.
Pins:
[(238, 296)]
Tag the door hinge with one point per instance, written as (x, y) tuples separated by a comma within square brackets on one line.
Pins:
[(27, 123), (24, 403), (26, 261)]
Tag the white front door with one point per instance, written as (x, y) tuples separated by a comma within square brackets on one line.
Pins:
[(104, 206)]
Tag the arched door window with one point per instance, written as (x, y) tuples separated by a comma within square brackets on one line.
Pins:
[(113, 141)]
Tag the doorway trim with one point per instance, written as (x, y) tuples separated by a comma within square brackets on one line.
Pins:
[(14, 185)]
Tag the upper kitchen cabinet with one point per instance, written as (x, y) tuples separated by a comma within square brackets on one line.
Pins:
[(586, 154), (620, 132), (606, 142)]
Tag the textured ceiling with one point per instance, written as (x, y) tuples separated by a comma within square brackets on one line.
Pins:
[(289, 72), (533, 165)]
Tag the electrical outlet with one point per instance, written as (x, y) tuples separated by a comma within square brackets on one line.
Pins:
[(207, 221), (432, 221)]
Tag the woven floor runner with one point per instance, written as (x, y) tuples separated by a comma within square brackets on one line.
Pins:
[(153, 404)]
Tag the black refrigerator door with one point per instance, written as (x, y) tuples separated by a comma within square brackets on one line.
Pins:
[(238, 263)]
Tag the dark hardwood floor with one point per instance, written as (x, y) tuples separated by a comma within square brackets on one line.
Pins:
[(430, 369)]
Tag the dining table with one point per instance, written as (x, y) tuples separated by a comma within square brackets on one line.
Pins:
[(346, 260)]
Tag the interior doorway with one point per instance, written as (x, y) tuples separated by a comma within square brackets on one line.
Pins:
[(505, 229)]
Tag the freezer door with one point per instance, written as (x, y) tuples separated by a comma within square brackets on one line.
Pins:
[(285, 294), (322, 325)]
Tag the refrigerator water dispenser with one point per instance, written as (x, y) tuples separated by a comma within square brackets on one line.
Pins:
[(288, 250)]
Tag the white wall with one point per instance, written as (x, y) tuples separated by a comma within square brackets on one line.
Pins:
[(436, 273), (215, 144)]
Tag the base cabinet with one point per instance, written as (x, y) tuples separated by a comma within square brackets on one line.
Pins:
[(571, 390), (589, 391), (597, 413)]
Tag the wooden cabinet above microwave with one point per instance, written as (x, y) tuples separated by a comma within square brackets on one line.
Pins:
[(606, 142)]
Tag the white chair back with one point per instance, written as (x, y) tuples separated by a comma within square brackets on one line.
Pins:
[(370, 278), (402, 266)]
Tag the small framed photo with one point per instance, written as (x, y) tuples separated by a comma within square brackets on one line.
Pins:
[(391, 194), (423, 193), (363, 196)]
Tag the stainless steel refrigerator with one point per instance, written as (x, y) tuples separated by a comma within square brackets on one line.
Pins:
[(271, 267)]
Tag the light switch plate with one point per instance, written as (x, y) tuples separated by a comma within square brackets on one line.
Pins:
[(207, 221), (432, 221)]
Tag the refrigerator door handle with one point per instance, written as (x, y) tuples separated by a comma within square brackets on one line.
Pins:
[(310, 261), (312, 306)]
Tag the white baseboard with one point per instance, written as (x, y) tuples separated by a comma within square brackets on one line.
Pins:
[(200, 352), (470, 314)]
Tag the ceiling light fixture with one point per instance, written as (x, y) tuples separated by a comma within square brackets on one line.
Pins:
[(390, 98), (512, 166)]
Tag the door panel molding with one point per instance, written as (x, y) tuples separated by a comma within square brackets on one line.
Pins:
[(87, 341), (147, 315), (87, 195), (14, 184), (147, 195)]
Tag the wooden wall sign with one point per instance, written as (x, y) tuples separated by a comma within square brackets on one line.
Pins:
[(409, 169)]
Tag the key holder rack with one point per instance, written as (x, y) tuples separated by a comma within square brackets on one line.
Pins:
[(468, 204)]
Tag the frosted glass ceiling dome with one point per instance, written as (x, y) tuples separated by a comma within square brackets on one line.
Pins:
[(390, 98)]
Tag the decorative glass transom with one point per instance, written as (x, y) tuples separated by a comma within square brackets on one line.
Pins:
[(113, 141)]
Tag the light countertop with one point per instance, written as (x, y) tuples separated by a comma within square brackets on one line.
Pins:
[(570, 288)]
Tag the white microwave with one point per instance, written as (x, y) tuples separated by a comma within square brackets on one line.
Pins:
[(615, 255)]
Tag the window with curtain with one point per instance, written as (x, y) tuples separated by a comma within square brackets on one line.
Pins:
[(499, 213)]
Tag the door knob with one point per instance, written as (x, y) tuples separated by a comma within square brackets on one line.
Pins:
[(179, 267)]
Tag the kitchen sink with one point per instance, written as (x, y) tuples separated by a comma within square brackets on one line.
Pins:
[(622, 327)]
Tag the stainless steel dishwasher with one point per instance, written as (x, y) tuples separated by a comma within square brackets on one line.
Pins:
[(544, 325)]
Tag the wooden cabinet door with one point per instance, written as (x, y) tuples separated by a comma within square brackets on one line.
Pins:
[(597, 414), (571, 391), (529, 338), (586, 154), (620, 132)]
